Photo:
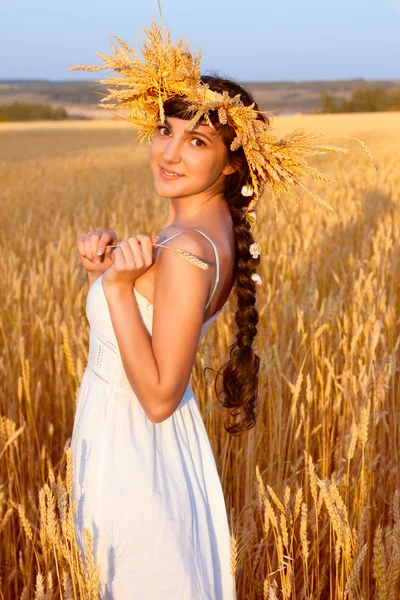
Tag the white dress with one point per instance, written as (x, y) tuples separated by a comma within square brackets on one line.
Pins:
[(149, 493)]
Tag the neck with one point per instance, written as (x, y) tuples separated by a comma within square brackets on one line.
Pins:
[(189, 210)]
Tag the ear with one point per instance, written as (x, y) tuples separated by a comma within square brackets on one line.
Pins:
[(231, 167)]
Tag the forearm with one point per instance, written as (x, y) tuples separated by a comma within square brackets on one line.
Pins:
[(92, 276), (135, 347)]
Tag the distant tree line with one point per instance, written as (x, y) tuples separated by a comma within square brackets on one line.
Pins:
[(31, 112), (364, 99)]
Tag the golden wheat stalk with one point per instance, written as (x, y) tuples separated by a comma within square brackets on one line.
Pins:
[(363, 145), (184, 253)]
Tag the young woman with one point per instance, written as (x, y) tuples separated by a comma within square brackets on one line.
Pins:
[(144, 473)]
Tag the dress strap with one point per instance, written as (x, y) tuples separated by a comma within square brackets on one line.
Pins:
[(217, 274), (172, 236)]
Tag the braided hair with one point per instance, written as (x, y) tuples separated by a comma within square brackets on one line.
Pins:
[(239, 390)]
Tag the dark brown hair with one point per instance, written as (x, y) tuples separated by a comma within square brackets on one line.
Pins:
[(239, 391)]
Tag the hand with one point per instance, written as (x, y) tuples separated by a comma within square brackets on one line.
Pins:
[(92, 250), (131, 258)]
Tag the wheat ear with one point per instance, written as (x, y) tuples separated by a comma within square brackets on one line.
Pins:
[(363, 145), (184, 253)]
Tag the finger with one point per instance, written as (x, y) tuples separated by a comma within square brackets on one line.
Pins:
[(119, 259), (88, 245), (88, 250), (107, 237), (113, 237), (80, 242), (130, 262), (94, 242), (137, 252), (146, 245)]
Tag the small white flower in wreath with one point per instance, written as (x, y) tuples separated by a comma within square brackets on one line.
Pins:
[(255, 277), (255, 250), (247, 190)]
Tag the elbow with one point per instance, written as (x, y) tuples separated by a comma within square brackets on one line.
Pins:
[(163, 410), (158, 416)]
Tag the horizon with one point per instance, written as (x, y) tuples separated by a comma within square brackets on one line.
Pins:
[(45, 80)]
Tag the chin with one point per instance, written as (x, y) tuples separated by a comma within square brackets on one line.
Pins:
[(175, 189), (167, 191), (170, 190)]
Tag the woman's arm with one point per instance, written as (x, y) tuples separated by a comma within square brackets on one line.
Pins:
[(159, 366), (92, 276)]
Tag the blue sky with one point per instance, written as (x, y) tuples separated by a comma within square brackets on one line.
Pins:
[(250, 41)]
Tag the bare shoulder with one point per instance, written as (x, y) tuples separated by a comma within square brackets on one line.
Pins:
[(194, 242), (172, 270)]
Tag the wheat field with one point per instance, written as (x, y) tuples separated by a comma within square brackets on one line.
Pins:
[(313, 491)]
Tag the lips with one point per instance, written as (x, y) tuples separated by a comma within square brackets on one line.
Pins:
[(169, 174)]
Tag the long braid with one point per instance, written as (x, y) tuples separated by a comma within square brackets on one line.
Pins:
[(240, 373)]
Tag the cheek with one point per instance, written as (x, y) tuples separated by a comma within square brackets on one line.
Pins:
[(155, 152), (206, 165)]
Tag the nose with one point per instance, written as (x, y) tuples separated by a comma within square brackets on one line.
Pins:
[(171, 153)]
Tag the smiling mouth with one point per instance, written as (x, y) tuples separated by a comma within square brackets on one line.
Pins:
[(169, 174)]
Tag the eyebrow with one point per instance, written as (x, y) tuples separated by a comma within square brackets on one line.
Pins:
[(197, 133)]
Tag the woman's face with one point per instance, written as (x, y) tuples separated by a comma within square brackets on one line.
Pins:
[(185, 163)]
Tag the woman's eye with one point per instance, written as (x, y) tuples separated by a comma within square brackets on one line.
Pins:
[(159, 128), (198, 140)]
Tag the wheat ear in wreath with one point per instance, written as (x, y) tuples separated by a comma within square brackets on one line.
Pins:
[(184, 253)]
